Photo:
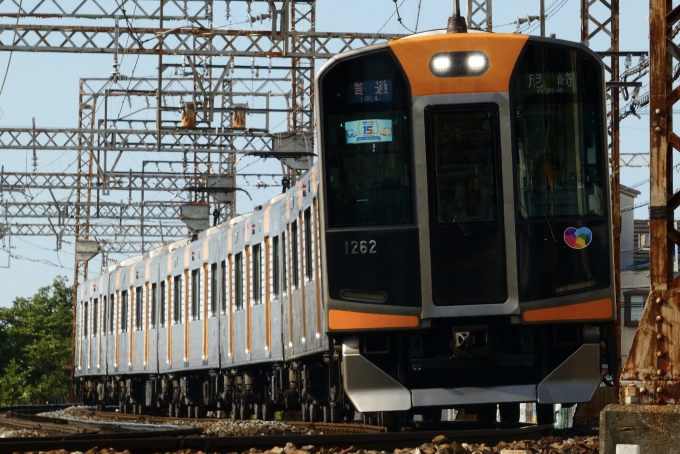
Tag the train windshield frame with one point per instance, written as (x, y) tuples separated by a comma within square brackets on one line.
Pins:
[(367, 148), (560, 168)]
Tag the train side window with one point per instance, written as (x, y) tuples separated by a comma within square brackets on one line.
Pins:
[(214, 289), (238, 280), (276, 269), (223, 286), (95, 315), (195, 292), (161, 309), (284, 262), (295, 255), (123, 311), (85, 333), (308, 244), (154, 300), (104, 312), (139, 307), (257, 274), (112, 313), (177, 300)]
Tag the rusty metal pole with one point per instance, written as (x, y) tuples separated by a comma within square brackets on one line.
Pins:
[(652, 373)]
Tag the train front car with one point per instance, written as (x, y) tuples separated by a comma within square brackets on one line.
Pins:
[(466, 223)]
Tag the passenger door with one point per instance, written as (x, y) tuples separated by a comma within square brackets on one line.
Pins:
[(467, 243)]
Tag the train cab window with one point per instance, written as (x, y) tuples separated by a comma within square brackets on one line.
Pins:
[(284, 262), (464, 150), (276, 269), (123, 311), (139, 307), (238, 280), (214, 289), (366, 142), (85, 321), (161, 309), (95, 317), (559, 158), (294, 256), (195, 292), (154, 302), (223, 287), (309, 257), (112, 313), (177, 300), (257, 274)]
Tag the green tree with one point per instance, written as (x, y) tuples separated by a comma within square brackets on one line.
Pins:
[(35, 341)]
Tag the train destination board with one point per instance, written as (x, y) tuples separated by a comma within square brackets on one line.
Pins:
[(368, 131), (550, 83), (370, 91)]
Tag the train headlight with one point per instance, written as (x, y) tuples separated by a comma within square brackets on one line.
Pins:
[(459, 64)]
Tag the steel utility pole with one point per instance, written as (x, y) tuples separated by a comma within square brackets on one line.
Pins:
[(542, 14), (608, 25)]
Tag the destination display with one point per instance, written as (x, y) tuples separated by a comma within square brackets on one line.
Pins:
[(550, 83), (368, 91), (368, 131)]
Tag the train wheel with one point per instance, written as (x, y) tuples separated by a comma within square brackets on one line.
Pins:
[(509, 412), (315, 412), (545, 414)]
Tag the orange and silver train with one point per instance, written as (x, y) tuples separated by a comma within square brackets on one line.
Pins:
[(452, 248)]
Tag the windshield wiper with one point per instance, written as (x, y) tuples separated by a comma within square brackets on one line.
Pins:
[(552, 234), (463, 227)]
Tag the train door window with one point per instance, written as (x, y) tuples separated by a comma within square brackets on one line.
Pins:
[(104, 312), (161, 309), (284, 262), (195, 292), (95, 317), (276, 269), (123, 311), (177, 300), (294, 255), (257, 274), (223, 287), (214, 289), (139, 307), (308, 244), (238, 280), (85, 319), (154, 300), (112, 313)]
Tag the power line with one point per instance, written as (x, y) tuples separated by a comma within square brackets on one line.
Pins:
[(399, 17), (9, 61)]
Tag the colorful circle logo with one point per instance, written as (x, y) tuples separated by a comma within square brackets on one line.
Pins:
[(578, 238)]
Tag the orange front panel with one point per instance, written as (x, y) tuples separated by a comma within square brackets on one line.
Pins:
[(363, 320), (502, 51), (592, 310)]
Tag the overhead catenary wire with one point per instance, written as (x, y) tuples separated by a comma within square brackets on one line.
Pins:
[(9, 60)]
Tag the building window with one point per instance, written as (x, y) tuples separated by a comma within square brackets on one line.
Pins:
[(154, 299), (308, 244), (645, 241), (257, 274), (294, 255), (162, 305), (139, 295), (238, 280), (123, 311), (276, 256), (95, 316), (634, 303), (177, 300), (223, 277), (214, 286), (195, 287)]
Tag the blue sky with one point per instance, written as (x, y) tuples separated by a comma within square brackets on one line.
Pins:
[(45, 86)]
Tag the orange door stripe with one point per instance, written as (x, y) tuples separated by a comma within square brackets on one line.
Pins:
[(592, 310), (363, 320)]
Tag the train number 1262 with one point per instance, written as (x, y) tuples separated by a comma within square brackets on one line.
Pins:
[(360, 247)]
